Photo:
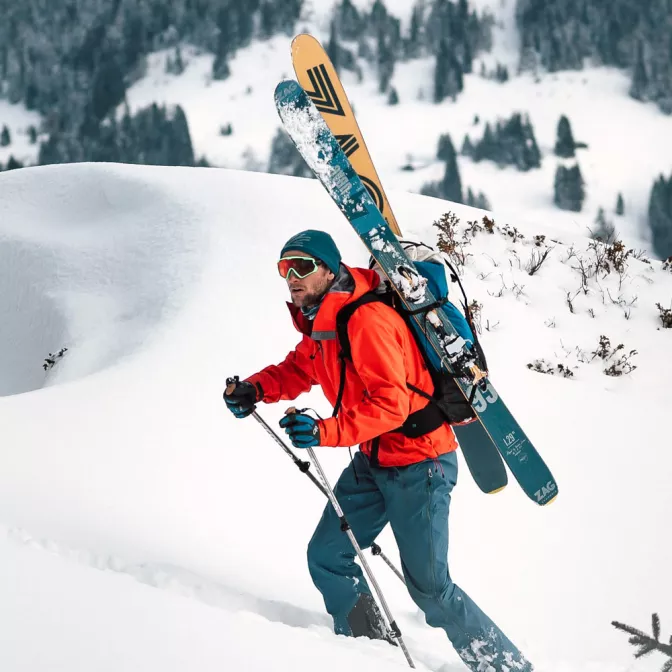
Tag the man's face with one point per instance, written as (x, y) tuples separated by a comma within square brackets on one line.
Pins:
[(307, 292)]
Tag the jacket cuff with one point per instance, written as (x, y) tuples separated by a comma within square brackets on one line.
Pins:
[(328, 432), (257, 387)]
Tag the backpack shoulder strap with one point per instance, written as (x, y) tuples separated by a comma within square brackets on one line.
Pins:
[(467, 313), (342, 319), (344, 315)]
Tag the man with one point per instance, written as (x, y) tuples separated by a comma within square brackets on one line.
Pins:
[(394, 478)]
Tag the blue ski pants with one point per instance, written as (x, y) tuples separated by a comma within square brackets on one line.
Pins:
[(415, 500)]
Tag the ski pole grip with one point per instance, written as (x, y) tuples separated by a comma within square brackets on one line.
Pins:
[(231, 384), (293, 409)]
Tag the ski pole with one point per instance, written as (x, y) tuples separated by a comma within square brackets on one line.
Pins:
[(345, 527), (325, 488), (376, 550), (304, 468)]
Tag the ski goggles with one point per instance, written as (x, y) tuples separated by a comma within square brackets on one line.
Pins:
[(302, 267)]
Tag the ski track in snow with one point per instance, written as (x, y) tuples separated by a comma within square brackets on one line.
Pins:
[(176, 580), (192, 586)]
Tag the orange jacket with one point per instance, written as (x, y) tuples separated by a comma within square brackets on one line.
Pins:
[(376, 399)]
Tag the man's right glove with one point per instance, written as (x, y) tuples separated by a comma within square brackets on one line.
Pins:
[(240, 398)]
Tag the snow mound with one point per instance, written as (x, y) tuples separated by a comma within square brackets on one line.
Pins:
[(162, 282), (92, 258)]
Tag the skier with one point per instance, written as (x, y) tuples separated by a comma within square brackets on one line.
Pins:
[(405, 469)]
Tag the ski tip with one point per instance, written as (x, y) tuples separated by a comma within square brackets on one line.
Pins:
[(304, 38), (286, 90), (494, 492), (550, 501)]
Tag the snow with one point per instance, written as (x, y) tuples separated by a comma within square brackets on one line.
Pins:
[(70, 615), (142, 527), (18, 120), (304, 125), (629, 143)]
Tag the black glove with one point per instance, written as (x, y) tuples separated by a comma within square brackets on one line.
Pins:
[(240, 398)]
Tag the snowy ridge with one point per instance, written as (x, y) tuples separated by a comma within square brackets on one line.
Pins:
[(629, 143), (595, 100), (133, 459)]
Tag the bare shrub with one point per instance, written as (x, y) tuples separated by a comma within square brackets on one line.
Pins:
[(489, 225), (511, 232), (665, 316), (536, 260), (620, 364), (542, 366), (449, 242), (640, 255), (618, 256), (570, 301)]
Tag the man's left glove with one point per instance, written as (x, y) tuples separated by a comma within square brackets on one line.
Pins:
[(303, 431), (241, 399)]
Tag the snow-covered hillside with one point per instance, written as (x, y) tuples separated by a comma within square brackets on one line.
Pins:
[(629, 143), (141, 527)]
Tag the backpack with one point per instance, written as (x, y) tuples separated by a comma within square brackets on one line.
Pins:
[(447, 403)]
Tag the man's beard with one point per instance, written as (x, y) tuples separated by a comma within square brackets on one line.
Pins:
[(310, 299)]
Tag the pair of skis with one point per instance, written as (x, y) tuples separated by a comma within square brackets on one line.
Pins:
[(319, 119)]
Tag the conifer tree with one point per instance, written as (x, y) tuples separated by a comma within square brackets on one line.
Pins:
[(385, 62), (451, 185), (660, 217), (467, 147), (333, 48), (569, 189), (620, 205), (448, 80), (349, 20), (564, 144), (640, 79)]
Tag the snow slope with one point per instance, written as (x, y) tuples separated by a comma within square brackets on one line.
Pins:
[(121, 459), (629, 143)]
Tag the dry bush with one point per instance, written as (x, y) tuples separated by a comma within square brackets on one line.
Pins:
[(618, 256), (542, 366), (449, 241), (619, 365), (536, 260), (665, 316)]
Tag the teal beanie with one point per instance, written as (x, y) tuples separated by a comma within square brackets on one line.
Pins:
[(317, 244)]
